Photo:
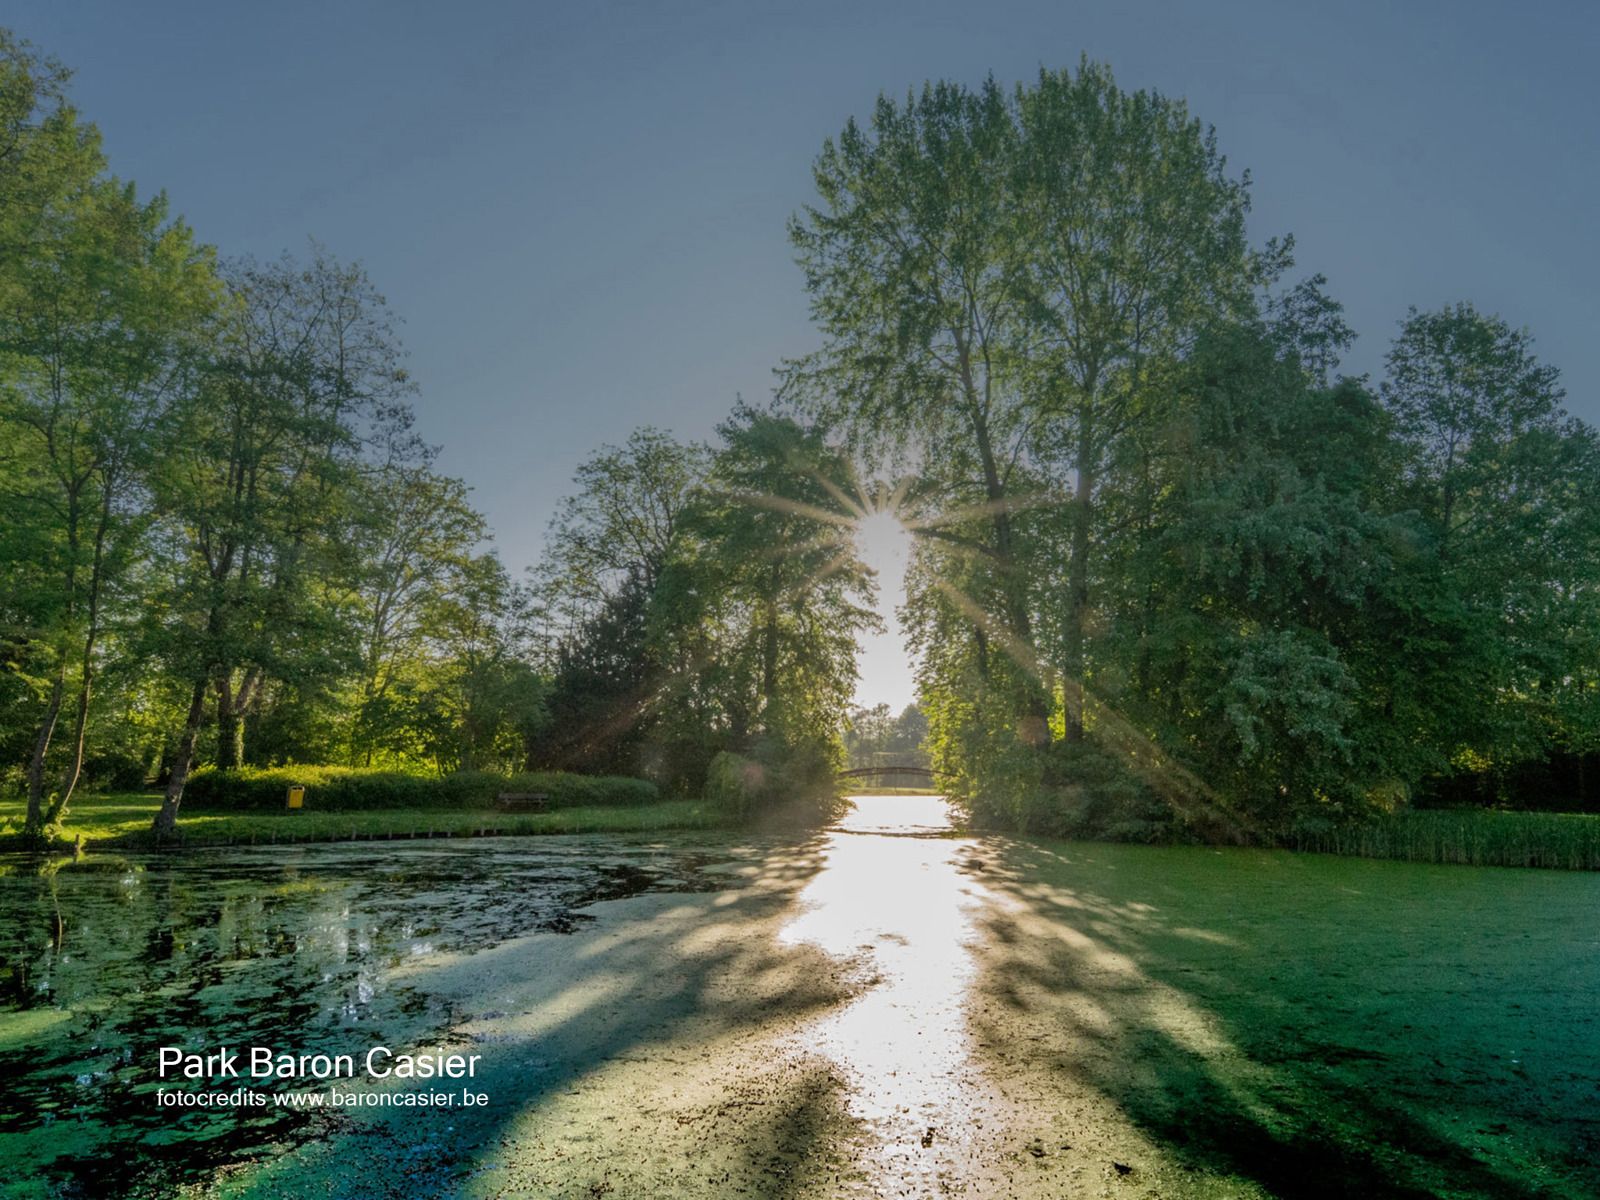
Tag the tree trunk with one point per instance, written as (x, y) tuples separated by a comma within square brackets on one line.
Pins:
[(1032, 707), (769, 657), (233, 703), (69, 781), (230, 729), (41, 747), (1078, 582), (166, 822)]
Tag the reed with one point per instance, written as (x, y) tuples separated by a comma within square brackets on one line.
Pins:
[(1471, 837)]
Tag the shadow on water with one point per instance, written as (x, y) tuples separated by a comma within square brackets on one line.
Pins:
[(1322, 1027), (670, 984), (103, 961), (774, 1017)]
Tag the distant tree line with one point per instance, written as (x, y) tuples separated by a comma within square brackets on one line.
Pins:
[(1171, 564), (879, 737)]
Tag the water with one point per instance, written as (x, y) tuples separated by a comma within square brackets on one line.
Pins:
[(887, 1007), (106, 960)]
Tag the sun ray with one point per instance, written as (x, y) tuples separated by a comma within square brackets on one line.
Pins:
[(1172, 781), (796, 507), (986, 508), (858, 507), (822, 541)]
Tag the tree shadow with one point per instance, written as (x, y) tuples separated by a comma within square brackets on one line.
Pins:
[(653, 1003), (1232, 1052)]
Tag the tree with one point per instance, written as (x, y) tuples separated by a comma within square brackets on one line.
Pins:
[(609, 585), (416, 540), (1250, 600), (1464, 389), (776, 523), (480, 704), (101, 299), (912, 260), (1499, 479), (255, 489), (997, 279), (1135, 240), (621, 521), (603, 687)]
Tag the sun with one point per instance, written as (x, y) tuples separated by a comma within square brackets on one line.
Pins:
[(884, 544)]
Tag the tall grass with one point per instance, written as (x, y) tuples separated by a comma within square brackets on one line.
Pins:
[(1472, 837)]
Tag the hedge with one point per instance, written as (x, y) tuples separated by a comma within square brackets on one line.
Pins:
[(347, 789)]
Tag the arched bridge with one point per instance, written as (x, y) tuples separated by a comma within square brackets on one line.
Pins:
[(890, 769)]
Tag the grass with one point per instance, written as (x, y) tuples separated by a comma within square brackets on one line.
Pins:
[(122, 820), (1470, 837)]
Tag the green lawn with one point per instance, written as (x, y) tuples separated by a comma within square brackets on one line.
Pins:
[(123, 819)]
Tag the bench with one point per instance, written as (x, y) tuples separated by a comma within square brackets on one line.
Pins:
[(522, 801)]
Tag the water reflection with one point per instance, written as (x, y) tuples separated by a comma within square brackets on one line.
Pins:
[(106, 960), (899, 897)]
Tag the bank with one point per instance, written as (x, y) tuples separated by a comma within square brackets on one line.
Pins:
[(122, 821)]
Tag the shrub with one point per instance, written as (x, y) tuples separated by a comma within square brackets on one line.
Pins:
[(567, 790), (1070, 789), (735, 784), (348, 789), (794, 784), (113, 771)]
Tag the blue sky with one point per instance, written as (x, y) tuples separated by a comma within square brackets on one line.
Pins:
[(579, 209)]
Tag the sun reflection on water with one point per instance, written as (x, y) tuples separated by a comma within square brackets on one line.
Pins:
[(899, 901)]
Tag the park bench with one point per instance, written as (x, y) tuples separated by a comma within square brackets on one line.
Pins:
[(522, 801)]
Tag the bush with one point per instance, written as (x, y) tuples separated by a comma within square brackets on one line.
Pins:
[(567, 790), (735, 784), (348, 789), (1072, 790), (113, 771), (795, 784)]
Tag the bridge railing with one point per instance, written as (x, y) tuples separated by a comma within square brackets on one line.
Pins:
[(892, 769)]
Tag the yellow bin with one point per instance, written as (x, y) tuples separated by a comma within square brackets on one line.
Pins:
[(297, 796)]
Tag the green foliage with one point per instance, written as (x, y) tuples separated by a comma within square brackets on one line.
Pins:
[(601, 689), (1073, 790), (722, 616), (1469, 837), (876, 737), (1173, 573), (775, 784), (352, 789), (1153, 520)]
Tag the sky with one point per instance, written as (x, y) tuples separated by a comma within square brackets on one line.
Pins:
[(579, 209)]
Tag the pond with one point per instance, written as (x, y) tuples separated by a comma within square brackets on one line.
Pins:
[(881, 1008), (103, 961)]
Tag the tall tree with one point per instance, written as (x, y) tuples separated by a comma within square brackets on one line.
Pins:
[(415, 550), (912, 259), (1134, 239), (621, 521), (101, 298), (255, 487), (1496, 473)]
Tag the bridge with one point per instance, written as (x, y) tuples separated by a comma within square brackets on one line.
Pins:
[(889, 770)]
